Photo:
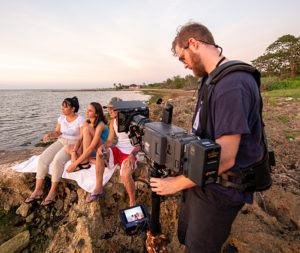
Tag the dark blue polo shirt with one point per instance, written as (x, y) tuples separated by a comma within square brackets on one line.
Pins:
[(233, 108)]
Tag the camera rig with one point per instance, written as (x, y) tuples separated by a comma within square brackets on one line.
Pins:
[(167, 147)]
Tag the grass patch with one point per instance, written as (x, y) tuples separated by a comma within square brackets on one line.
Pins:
[(285, 84), (291, 134), (6, 216), (154, 97), (266, 115), (294, 93), (284, 120)]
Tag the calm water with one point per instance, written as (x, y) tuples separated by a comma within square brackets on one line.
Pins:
[(27, 115)]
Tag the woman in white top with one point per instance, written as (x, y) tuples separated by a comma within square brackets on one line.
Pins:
[(68, 130)]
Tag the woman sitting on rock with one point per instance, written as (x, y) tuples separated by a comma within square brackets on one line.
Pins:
[(68, 130), (95, 132)]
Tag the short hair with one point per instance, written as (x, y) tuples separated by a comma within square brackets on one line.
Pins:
[(191, 30)]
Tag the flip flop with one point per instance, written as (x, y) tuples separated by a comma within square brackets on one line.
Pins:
[(50, 202), (95, 196), (80, 166), (32, 200)]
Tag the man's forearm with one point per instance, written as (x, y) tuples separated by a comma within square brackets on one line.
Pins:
[(184, 183)]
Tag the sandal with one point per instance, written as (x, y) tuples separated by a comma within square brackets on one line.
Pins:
[(81, 166), (48, 202), (93, 197), (32, 199)]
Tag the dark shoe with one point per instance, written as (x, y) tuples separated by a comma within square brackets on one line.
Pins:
[(47, 202), (93, 197)]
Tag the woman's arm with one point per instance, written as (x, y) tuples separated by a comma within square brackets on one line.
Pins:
[(54, 134), (110, 140)]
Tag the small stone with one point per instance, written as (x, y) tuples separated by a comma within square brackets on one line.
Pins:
[(44, 213), (73, 196), (59, 204), (23, 210), (30, 218)]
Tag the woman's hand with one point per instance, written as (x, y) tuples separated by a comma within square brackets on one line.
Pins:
[(100, 149), (45, 139)]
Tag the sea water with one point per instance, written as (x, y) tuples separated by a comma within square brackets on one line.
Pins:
[(27, 115)]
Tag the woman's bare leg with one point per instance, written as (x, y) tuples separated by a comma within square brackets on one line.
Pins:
[(38, 191), (51, 195)]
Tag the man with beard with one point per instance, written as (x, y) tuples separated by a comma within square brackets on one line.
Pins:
[(233, 121)]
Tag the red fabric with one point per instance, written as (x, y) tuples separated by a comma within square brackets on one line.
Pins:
[(119, 157)]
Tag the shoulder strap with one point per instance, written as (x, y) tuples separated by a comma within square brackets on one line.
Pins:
[(215, 76)]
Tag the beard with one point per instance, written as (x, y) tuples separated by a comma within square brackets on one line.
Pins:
[(197, 66)]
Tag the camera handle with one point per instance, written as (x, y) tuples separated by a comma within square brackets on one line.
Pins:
[(156, 171)]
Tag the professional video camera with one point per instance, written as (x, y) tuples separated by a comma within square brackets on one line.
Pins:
[(168, 145)]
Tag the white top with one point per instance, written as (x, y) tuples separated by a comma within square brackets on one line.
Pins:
[(123, 141), (70, 130)]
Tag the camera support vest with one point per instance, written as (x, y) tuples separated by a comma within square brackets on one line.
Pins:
[(257, 176)]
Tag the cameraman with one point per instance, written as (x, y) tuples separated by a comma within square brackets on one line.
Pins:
[(233, 121), (123, 153)]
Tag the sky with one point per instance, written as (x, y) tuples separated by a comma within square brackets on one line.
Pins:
[(76, 44)]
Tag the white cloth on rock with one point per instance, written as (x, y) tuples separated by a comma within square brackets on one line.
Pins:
[(86, 178)]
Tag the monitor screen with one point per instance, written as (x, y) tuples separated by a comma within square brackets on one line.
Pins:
[(134, 214)]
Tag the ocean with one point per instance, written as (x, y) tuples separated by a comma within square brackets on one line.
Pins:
[(27, 115)]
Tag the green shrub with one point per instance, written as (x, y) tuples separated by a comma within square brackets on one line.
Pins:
[(285, 84)]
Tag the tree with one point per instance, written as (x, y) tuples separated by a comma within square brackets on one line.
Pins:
[(281, 57)]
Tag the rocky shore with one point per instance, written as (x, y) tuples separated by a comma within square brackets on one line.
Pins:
[(271, 224)]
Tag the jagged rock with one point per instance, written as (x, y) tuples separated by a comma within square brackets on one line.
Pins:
[(75, 226), (23, 210), (16, 244), (30, 217), (59, 205)]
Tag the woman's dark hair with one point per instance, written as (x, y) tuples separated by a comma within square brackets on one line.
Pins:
[(72, 102), (100, 115)]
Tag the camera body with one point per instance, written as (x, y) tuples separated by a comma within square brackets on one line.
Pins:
[(183, 152), (169, 145)]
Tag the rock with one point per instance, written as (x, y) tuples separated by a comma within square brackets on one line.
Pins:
[(23, 210), (30, 217), (59, 205), (73, 196), (79, 227), (16, 244)]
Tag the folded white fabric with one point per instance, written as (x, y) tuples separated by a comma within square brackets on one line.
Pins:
[(86, 179)]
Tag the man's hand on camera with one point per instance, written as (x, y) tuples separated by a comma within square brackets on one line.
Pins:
[(170, 185), (164, 186)]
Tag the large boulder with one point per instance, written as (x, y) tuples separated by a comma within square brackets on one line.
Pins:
[(16, 244)]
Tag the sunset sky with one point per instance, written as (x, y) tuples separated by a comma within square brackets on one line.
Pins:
[(93, 44)]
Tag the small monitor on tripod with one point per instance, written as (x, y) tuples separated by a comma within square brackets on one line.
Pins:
[(134, 218)]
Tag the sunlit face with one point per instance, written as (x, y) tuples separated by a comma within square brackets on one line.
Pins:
[(67, 109), (112, 113), (190, 60), (91, 112)]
